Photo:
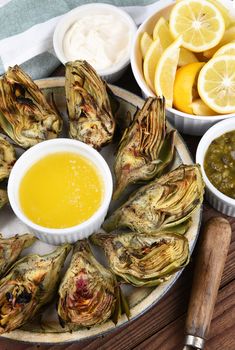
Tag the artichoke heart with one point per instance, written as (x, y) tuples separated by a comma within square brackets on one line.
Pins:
[(89, 293), (146, 148), (3, 198), (10, 249), (90, 116), (163, 203), (143, 260), (7, 158), (30, 283), (25, 115)]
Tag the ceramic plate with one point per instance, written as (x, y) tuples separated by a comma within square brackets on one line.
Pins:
[(46, 329)]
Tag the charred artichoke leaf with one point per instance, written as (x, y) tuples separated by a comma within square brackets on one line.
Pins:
[(10, 249), (3, 198), (146, 148), (89, 294), (114, 103), (30, 283), (179, 229), (25, 115), (165, 202), (144, 260), (90, 116), (7, 158)]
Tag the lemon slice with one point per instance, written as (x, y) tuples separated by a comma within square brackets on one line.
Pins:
[(228, 49), (185, 86), (150, 62), (165, 71), (186, 57), (162, 31), (200, 108), (228, 37), (145, 42), (223, 10), (199, 22), (216, 84)]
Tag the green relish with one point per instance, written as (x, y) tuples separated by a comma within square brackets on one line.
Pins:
[(219, 163)]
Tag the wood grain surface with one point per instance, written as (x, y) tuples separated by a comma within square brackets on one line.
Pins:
[(162, 327)]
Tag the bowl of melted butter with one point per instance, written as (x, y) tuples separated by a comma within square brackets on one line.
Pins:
[(61, 190)]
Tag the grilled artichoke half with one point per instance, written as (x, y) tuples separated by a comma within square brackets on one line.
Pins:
[(89, 293), (25, 115), (29, 284), (7, 158), (163, 203), (10, 249), (90, 116), (145, 148), (143, 260), (3, 198)]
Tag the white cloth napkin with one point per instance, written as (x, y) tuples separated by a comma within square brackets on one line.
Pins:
[(33, 46)]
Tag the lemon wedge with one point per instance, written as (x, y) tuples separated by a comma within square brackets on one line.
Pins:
[(165, 71), (228, 49), (150, 62), (145, 42), (228, 37), (199, 22), (185, 86), (200, 108), (162, 31), (216, 84), (186, 57)]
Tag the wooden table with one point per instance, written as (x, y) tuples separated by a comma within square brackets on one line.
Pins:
[(162, 328)]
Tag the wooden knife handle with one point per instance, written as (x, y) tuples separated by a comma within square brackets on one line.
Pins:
[(215, 240)]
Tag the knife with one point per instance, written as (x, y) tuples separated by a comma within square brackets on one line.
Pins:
[(215, 240)]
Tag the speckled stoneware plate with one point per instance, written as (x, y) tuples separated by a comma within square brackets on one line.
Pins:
[(47, 329)]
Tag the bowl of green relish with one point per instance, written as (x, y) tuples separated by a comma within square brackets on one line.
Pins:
[(216, 155)]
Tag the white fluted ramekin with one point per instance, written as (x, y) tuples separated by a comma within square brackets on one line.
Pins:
[(217, 199), (110, 74), (71, 234), (183, 122)]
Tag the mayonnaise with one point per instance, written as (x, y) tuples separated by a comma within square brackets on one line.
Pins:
[(102, 39)]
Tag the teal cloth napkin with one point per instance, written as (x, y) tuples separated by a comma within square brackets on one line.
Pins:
[(27, 26)]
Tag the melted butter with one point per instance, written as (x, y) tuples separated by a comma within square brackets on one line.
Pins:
[(61, 190)]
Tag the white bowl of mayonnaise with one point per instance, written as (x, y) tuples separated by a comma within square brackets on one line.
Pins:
[(101, 34)]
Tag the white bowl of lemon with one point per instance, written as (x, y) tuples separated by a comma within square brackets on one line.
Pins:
[(186, 52)]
